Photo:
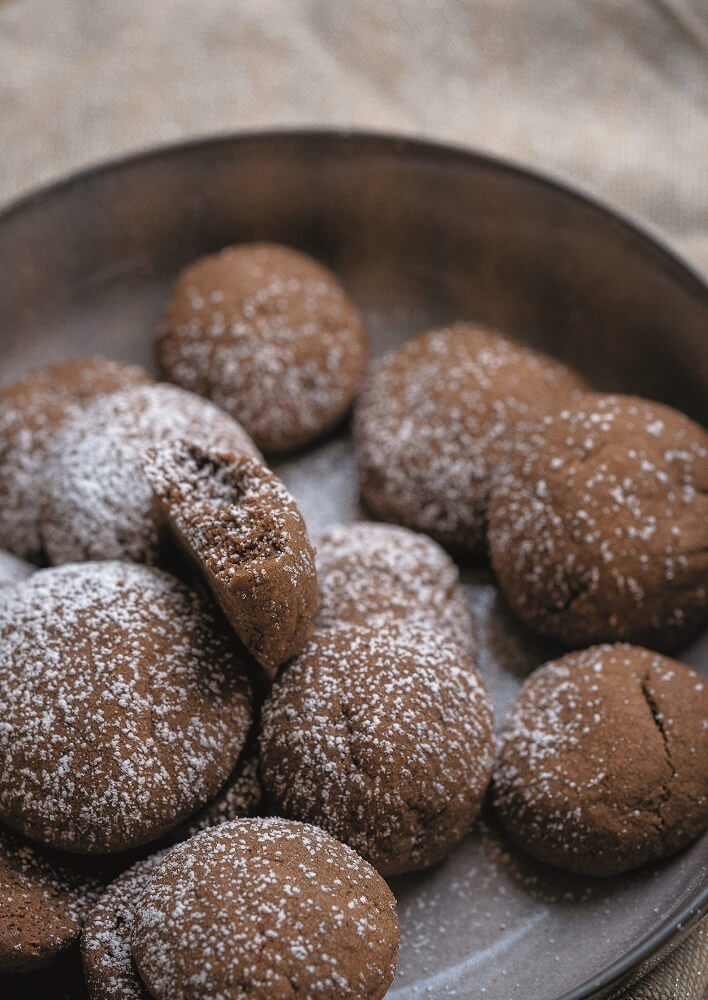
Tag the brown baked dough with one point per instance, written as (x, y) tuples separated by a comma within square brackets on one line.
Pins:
[(109, 969), (268, 334), (98, 500), (598, 531), (603, 760), (265, 908), (383, 739), (434, 420), (240, 797), (43, 902), (371, 574), (240, 526), (125, 707)]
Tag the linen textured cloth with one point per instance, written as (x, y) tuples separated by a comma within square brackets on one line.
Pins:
[(611, 95)]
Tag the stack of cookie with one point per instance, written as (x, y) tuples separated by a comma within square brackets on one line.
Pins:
[(220, 735)]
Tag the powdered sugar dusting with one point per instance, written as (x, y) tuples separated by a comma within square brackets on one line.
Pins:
[(599, 528), (382, 739), (588, 774), (266, 908), (241, 796), (375, 573), (107, 956), (125, 708), (98, 499), (260, 322), (31, 412), (434, 419)]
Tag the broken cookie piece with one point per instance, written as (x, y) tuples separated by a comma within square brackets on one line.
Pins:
[(244, 531)]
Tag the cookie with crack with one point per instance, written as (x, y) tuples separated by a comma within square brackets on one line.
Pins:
[(602, 764), (242, 529)]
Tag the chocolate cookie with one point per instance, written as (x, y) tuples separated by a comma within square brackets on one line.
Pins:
[(124, 707), (268, 334), (44, 902), (380, 573), (265, 908), (13, 570), (244, 532), (31, 411), (98, 501), (599, 528), (435, 418), (109, 969), (603, 760), (383, 741)]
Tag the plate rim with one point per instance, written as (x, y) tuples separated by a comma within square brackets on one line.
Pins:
[(660, 942)]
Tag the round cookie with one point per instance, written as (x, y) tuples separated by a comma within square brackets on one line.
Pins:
[(435, 418), (598, 530), (44, 902), (241, 796), (31, 411), (13, 569), (278, 908), (106, 954), (603, 760), (268, 334), (381, 739), (241, 528), (371, 573), (124, 707), (98, 500)]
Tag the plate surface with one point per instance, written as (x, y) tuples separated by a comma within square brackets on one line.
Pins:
[(420, 235)]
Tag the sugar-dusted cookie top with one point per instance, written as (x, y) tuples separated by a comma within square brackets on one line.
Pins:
[(265, 908), (124, 706), (268, 334)]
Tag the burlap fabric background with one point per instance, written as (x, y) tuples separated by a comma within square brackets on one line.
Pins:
[(609, 94)]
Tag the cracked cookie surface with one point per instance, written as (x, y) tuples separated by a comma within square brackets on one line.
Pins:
[(603, 760)]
